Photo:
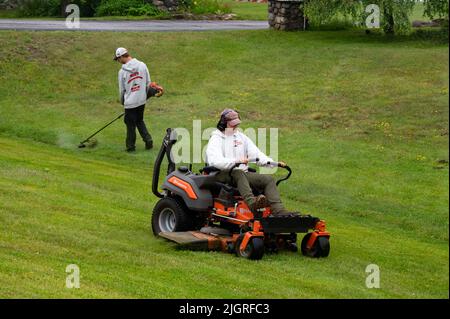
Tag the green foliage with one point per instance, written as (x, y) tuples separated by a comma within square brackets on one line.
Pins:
[(31, 8), (324, 11), (88, 8), (144, 10), (432, 34), (51, 8), (127, 8), (121, 7), (436, 8), (394, 14), (205, 6)]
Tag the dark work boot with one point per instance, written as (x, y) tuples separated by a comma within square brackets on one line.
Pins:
[(149, 145), (259, 202)]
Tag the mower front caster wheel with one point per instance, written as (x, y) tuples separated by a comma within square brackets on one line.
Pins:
[(320, 248), (254, 249)]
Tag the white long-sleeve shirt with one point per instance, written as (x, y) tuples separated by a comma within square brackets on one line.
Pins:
[(223, 151), (134, 79)]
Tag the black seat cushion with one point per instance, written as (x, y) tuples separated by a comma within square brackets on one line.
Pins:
[(215, 186), (209, 169)]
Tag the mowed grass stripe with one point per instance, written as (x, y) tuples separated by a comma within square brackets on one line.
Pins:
[(118, 253), (361, 121)]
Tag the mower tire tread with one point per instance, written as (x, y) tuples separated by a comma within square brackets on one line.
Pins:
[(183, 220), (254, 250), (321, 247)]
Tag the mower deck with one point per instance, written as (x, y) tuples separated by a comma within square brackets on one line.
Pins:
[(196, 240), (289, 224)]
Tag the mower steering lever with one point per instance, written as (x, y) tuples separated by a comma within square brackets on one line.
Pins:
[(286, 167), (239, 163), (287, 176)]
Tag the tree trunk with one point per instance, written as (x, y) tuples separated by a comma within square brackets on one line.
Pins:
[(389, 20), (64, 4)]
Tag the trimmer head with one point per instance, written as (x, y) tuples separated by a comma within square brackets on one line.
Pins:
[(89, 143)]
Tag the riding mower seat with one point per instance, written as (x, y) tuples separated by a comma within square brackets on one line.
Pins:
[(216, 187)]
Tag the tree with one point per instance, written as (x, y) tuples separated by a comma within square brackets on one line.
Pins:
[(436, 8), (394, 14)]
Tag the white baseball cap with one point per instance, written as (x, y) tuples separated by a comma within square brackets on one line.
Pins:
[(120, 52)]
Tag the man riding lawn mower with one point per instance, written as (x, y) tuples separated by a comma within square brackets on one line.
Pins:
[(228, 147), (205, 211)]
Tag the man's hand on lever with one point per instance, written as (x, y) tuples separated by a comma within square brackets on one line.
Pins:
[(242, 161)]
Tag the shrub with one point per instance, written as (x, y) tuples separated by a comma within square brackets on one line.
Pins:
[(127, 7), (50, 8), (117, 7), (32, 8), (144, 10), (437, 35)]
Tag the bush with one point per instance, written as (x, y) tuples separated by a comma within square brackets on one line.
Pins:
[(51, 8), (33, 8), (126, 7), (437, 35), (116, 7), (144, 10), (205, 7)]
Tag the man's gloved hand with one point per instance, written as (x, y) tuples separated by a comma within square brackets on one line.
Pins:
[(154, 90)]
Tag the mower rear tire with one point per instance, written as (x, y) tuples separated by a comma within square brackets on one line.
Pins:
[(321, 247), (169, 215), (254, 249)]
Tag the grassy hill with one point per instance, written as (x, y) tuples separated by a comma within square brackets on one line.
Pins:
[(363, 121)]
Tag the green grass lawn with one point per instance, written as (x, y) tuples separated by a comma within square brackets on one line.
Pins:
[(363, 122), (247, 10)]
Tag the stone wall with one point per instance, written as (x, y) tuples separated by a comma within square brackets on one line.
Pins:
[(286, 15)]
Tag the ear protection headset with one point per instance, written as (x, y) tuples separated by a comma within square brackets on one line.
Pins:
[(222, 124)]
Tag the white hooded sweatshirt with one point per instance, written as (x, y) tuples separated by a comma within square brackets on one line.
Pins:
[(223, 151), (134, 79)]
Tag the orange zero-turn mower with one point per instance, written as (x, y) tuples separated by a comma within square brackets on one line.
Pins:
[(199, 213)]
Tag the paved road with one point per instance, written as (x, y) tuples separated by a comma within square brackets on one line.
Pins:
[(153, 25)]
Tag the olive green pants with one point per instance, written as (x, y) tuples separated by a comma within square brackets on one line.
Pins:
[(245, 181)]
